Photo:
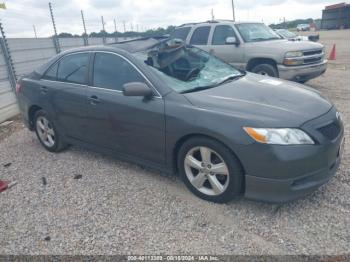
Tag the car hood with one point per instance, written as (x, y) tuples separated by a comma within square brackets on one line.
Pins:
[(267, 102), (284, 45)]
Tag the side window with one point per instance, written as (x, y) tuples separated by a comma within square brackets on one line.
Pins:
[(112, 72), (73, 68), (221, 33), (200, 36), (51, 74), (181, 33)]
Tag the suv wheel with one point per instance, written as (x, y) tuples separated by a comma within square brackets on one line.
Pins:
[(47, 132), (265, 69), (210, 170)]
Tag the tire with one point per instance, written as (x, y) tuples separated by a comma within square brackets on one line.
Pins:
[(265, 69), (231, 183), (44, 129)]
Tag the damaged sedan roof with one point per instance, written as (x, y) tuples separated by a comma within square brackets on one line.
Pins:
[(141, 44)]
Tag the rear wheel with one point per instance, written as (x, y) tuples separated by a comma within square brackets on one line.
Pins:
[(265, 69), (210, 170), (47, 132)]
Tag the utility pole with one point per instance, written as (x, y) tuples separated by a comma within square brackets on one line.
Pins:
[(212, 15), (233, 11), (36, 36), (86, 41), (131, 27), (115, 30), (55, 38), (103, 30)]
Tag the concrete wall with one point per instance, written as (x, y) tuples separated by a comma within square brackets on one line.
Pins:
[(28, 54), (8, 105)]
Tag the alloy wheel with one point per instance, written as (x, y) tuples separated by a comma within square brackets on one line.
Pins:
[(45, 131), (206, 170)]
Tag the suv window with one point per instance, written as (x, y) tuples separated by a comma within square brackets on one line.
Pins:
[(221, 32), (51, 74), (200, 36), (112, 72), (181, 33), (73, 68)]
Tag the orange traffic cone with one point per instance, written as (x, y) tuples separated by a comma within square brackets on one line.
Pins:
[(332, 56)]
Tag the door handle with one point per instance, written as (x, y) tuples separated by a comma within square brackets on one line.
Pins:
[(43, 90), (94, 100)]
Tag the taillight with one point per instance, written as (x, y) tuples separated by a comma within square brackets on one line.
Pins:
[(18, 88)]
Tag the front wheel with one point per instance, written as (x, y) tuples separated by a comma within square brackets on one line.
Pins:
[(210, 170), (265, 69)]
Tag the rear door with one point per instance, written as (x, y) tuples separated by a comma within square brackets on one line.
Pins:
[(230, 53), (63, 88), (130, 125)]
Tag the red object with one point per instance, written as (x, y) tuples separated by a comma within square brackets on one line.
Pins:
[(3, 185), (332, 56)]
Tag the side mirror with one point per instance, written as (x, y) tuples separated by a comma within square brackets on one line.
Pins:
[(137, 89), (232, 41)]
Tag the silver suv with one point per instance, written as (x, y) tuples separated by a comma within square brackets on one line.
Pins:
[(256, 48)]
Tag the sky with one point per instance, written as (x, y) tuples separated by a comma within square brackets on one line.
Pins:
[(20, 16)]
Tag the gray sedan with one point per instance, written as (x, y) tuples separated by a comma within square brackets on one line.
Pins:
[(161, 103)]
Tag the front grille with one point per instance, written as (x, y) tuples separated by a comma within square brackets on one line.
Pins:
[(312, 60), (313, 52), (331, 131), (313, 56)]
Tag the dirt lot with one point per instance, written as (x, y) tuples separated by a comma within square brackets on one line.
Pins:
[(119, 208)]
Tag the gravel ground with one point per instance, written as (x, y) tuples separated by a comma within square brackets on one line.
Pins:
[(121, 208)]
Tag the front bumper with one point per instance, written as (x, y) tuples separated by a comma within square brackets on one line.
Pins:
[(285, 173), (302, 73)]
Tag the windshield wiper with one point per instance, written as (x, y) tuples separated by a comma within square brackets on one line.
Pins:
[(198, 88), (264, 39), (231, 78), (227, 79)]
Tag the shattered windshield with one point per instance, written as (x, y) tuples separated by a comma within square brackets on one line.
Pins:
[(186, 68)]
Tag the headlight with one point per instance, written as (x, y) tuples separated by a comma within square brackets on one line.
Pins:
[(294, 54), (279, 136)]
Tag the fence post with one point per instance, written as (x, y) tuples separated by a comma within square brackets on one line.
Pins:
[(103, 31), (55, 37), (8, 59), (86, 41)]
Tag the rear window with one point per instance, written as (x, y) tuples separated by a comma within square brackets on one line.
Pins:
[(181, 33), (200, 36), (73, 68), (51, 74)]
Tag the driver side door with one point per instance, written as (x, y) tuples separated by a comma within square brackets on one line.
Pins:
[(230, 53)]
